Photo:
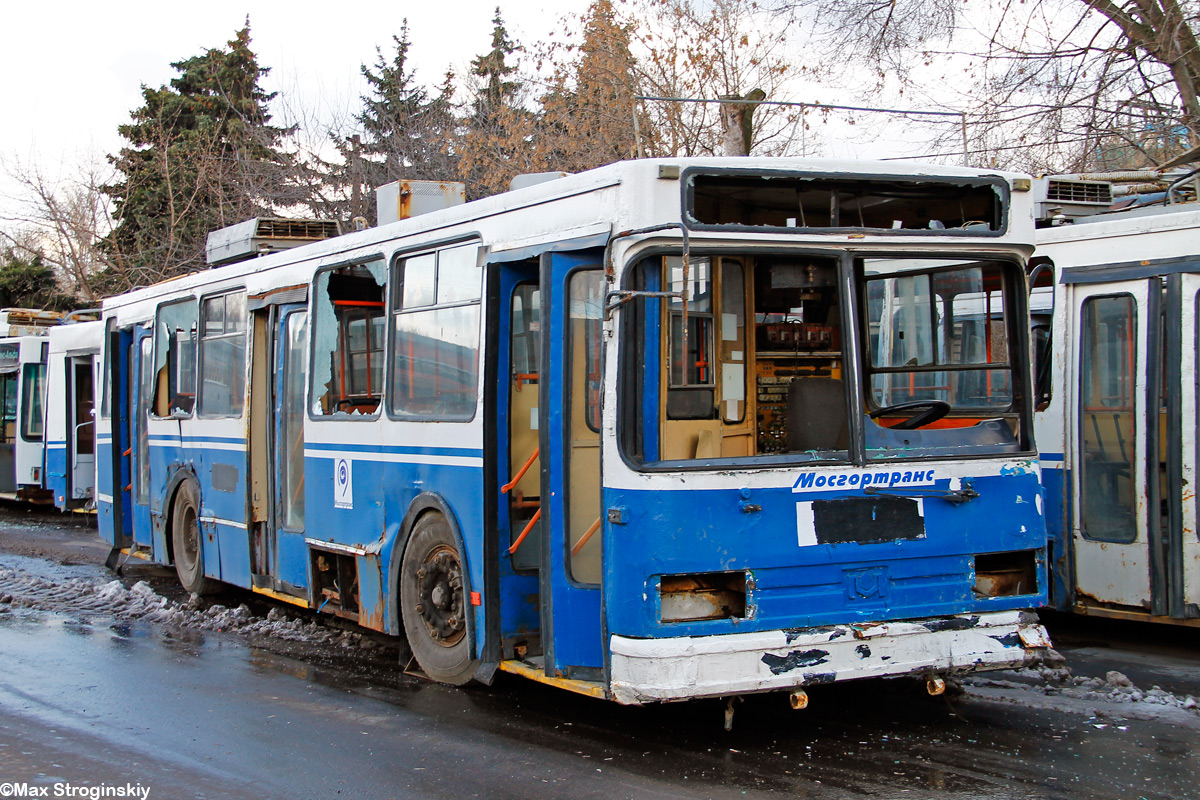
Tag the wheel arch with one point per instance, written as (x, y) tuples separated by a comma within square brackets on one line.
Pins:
[(179, 477), (423, 504)]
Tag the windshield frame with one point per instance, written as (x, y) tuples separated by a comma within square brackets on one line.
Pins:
[(636, 418)]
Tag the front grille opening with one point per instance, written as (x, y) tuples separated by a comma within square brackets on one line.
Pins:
[(703, 595), (1006, 574)]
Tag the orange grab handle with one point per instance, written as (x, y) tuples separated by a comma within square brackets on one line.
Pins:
[(584, 539), (528, 527), (506, 488)]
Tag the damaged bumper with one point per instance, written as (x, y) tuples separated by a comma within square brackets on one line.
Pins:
[(654, 670)]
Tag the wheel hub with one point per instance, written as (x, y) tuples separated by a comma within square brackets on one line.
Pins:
[(440, 596)]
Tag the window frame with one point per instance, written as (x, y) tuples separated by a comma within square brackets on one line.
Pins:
[(633, 404), (173, 373), (1009, 296), (202, 338), (26, 403), (395, 310), (314, 295), (1087, 345)]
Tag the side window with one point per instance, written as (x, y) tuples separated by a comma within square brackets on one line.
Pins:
[(108, 376), (33, 395), (175, 359), (223, 355), (347, 365), (435, 342), (1041, 316), (690, 388)]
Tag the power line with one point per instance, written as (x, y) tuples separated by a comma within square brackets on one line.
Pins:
[(803, 105)]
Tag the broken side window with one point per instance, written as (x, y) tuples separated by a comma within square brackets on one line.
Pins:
[(348, 342), (175, 359)]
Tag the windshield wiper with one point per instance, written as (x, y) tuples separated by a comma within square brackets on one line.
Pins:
[(955, 496)]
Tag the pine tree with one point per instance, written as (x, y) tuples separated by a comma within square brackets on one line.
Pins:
[(494, 70), (27, 281), (493, 145), (201, 154), (406, 130), (587, 116)]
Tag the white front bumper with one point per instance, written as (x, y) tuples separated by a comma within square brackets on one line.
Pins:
[(651, 670)]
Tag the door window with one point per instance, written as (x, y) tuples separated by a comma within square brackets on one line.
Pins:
[(1107, 427), (291, 422), (584, 330)]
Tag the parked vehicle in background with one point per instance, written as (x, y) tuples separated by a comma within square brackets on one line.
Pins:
[(70, 426), (23, 350), (1115, 294)]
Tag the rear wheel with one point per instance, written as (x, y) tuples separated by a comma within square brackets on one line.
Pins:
[(433, 602), (185, 537)]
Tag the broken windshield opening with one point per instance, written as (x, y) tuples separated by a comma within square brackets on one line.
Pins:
[(753, 366), (972, 206)]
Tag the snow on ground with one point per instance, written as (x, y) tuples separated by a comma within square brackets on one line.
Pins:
[(1058, 682), (23, 589)]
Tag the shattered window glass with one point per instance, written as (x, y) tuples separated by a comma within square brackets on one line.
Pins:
[(348, 345), (175, 359)]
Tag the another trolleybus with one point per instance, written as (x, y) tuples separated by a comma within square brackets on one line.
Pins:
[(662, 430), (1116, 299), (23, 353), (70, 425)]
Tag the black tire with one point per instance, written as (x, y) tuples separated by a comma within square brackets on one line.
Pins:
[(433, 603), (187, 541)]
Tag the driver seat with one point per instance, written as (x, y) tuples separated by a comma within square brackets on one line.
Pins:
[(816, 415)]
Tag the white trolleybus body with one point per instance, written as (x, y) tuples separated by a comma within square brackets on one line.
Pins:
[(1114, 302), (23, 352), (661, 430), (70, 427)]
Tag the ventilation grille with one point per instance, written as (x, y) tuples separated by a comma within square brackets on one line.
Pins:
[(1080, 192), (307, 229)]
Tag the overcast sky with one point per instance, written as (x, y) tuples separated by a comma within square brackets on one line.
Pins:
[(73, 71)]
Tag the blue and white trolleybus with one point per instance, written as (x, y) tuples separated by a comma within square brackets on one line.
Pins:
[(667, 429)]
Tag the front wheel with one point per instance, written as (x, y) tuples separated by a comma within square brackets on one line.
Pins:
[(186, 539), (433, 603)]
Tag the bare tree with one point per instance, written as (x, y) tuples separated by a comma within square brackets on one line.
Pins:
[(694, 50), (62, 220), (1050, 84)]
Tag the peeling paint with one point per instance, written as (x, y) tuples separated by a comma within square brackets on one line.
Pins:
[(952, 624), (794, 660), (1009, 639)]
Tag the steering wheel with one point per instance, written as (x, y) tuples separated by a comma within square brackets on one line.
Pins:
[(934, 410)]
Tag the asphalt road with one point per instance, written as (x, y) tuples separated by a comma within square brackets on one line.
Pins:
[(91, 695)]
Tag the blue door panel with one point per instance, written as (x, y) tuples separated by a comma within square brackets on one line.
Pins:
[(520, 606), (292, 559), (571, 619), (234, 555)]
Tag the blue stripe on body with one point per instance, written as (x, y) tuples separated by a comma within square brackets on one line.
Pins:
[(398, 449)]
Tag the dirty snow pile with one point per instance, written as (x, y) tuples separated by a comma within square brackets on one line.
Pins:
[(1058, 681), (140, 601)]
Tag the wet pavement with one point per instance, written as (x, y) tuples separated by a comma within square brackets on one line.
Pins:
[(103, 684)]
